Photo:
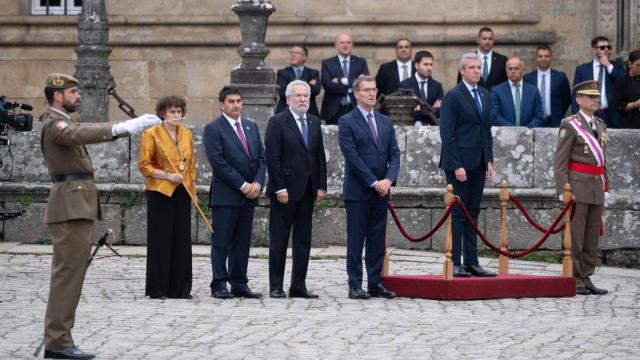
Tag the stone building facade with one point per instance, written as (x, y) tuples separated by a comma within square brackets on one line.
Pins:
[(188, 47)]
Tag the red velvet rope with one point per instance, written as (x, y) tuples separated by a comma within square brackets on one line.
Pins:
[(408, 236), (524, 252), (532, 222)]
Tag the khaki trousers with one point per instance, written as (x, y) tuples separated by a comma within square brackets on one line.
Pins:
[(71, 250), (585, 229)]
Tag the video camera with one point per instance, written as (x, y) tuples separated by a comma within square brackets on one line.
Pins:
[(19, 122)]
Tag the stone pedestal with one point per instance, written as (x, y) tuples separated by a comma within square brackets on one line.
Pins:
[(92, 67), (253, 77)]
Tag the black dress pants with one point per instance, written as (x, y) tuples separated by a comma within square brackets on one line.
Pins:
[(168, 244)]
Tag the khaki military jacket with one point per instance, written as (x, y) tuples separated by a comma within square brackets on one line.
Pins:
[(572, 147), (62, 141)]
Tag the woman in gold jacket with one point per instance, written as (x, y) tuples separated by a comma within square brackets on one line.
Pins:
[(167, 160)]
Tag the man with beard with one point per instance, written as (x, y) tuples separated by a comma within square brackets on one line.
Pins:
[(73, 205), (297, 178)]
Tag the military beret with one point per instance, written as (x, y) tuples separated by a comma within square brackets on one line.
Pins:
[(590, 87), (60, 81)]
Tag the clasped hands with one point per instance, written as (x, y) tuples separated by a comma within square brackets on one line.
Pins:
[(251, 190), (382, 187), (283, 196)]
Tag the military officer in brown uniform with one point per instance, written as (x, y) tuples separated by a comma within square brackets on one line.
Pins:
[(73, 205), (579, 160)]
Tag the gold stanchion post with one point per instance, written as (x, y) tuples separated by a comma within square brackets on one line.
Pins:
[(503, 261), (385, 262), (567, 263), (448, 243)]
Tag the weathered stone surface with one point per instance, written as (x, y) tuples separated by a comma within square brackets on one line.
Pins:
[(131, 78), (544, 147), (166, 78), (422, 157), (520, 234), (416, 222), (135, 224), (28, 227), (622, 258), (28, 162), (110, 161), (621, 230), (335, 160), (623, 154), (513, 155), (329, 225)]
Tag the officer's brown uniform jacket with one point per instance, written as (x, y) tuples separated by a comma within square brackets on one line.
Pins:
[(62, 141), (571, 147)]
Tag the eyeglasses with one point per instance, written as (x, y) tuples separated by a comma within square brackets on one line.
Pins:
[(604, 47), (369, 90)]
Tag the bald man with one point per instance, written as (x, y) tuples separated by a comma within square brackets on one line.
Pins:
[(337, 75)]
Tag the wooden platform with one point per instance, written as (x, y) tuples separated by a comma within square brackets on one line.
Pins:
[(476, 288)]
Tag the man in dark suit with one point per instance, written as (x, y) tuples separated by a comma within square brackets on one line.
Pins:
[(553, 86), (372, 159), (391, 74), (298, 71), (424, 86), (297, 177), (605, 73), (493, 64), (514, 102), (467, 157), (235, 152), (338, 74)]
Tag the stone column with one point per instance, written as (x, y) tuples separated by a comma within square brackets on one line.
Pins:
[(253, 77), (92, 66)]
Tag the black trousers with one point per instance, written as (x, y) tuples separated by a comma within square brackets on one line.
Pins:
[(168, 244), (230, 243), (282, 218), (465, 240)]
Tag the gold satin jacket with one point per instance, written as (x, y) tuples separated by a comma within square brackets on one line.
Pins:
[(159, 151)]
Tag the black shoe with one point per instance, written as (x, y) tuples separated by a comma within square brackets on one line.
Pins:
[(459, 271), (358, 293), (158, 297), (277, 294), (67, 353), (596, 291), (304, 293), (188, 297), (477, 270), (582, 291), (246, 293), (221, 294), (380, 291)]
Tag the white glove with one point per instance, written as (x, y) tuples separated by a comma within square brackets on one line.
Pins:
[(607, 202), (560, 197), (135, 126), (344, 81)]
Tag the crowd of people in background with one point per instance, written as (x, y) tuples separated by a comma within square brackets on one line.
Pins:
[(539, 98)]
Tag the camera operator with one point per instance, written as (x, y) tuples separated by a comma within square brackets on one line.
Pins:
[(73, 204)]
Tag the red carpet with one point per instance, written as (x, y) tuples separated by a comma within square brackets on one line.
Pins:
[(476, 288)]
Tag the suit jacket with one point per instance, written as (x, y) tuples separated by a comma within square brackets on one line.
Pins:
[(503, 111), (365, 161), (388, 79), (560, 94), (434, 92), (497, 73), (291, 165), (62, 142), (586, 188), (231, 165), (465, 134), (287, 75), (584, 72), (333, 93)]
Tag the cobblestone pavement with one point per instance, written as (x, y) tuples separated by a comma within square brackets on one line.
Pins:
[(116, 321)]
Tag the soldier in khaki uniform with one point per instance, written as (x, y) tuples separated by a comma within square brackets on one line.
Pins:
[(73, 204), (579, 160)]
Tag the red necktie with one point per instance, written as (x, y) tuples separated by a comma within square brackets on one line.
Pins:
[(243, 139)]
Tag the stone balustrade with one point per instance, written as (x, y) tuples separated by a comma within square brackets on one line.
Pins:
[(523, 156)]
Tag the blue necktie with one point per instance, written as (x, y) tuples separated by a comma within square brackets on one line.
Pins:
[(485, 69), (305, 131), (298, 72), (477, 100)]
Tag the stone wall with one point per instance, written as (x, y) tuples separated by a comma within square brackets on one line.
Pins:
[(188, 47), (522, 156)]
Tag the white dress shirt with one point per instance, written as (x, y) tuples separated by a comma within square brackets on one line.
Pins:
[(489, 55), (547, 89), (604, 104), (400, 70)]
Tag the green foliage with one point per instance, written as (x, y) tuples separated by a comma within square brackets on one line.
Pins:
[(25, 200), (45, 241), (322, 205), (135, 199)]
